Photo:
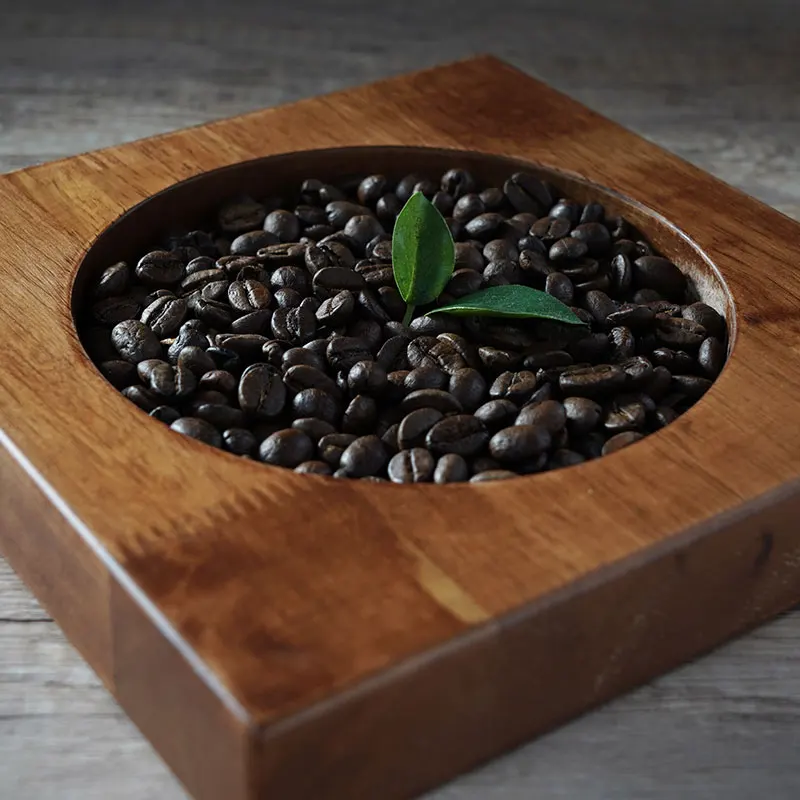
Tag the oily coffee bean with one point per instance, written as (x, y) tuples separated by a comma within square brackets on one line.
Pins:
[(331, 447), (198, 429), (316, 403), (458, 182), (219, 415), (259, 322), (367, 377), (425, 377), (413, 428), (664, 415), (281, 226), (371, 189), (462, 434), (158, 375), (119, 373), (547, 360), (711, 356), (560, 286), (596, 236), (623, 344), (367, 331), (262, 392), (591, 381), (625, 416), (678, 331), (583, 415), (113, 310), (304, 376), (218, 380), (248, 244), (655, 272), (638, 371), (286, 448), (411, 466), (517, 386), (468, 207), (241, 214), (165, 414), (451, 468), (599, 305), (493, 198), (313, 468), (388, 207), (248, 295), (144, 398), (134, 341), (468, 257), (707, 318), (468, 387), (549, 414), (431, 398), (485, 227), (527, 193), (683, 363), (360, 415), (496, 414), (497, 360), (344, 352), (619, 441), (519, 442), (314, 428), (113, 282), (492, 475), (633, 317), (365, 456), (693, 386), (160, 268)]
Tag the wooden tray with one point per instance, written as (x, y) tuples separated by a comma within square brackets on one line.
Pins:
[(277, 635)]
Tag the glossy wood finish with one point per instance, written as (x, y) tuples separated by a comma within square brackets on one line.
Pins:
[(296, 615)]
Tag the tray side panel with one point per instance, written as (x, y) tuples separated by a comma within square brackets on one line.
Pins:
[(434, 717), (56, 563)]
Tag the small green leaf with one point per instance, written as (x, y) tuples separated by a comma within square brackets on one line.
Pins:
[(511, 301), (423, 254)]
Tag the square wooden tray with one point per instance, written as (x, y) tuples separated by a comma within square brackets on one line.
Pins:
[(279, 636)]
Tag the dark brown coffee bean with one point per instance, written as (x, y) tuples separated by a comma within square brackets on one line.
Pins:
[(464, 282), (411, 466), (583, 415), (619, 441), (591, 381), (247, 345), (497, 414), (516, 386), (498, 360), (341, 211), (582, 270), (198, 429), (468, 387), (458, 182), (623, 344), (519, 442), (297, 356), (711, 356), (492, 475), (500, 250), (425, 377), (287, 298), (655, 272), (549, 414), (638, 371), (345, 351), (451, 468), (292, 278), (241, 214), (196, 359), (363, 228), (371, 189), (568, 249), (135, 342), (388, 207), (707, 317), (165, 414), (262, 393), (158, 375), (634, 317), (625, 416), (560, 286), (468, 256), (119, 373), (314, 428), (564, 458), (144, 398), (365, 456), (468, 207), (160, 268), (621, 273), (216, 291), (547, 360), (313, 468), (286, 448), (492, 198), (551, 229), (461, 434), (316, 403), (659, 384), (304, 376), (485, 227), (248, 244), (336, 310), (678, 332), (430, 398), (218, 380), (331, 447), (367, 377), (683, 364), (527, 193), (113, 310), (249, 295), (664, 415), (369, 332), (590, 348), (113, 282), (693, 386), (360, 415), (596, 235), (599, 305), (281, 226), (219, 415), (414, 427)]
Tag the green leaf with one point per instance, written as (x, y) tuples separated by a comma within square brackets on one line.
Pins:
[(512, 302), (423, 254)]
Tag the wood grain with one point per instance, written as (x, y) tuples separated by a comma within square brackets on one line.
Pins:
[(749, 151)]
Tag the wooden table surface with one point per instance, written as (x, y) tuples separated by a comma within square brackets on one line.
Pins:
[(716, 82)]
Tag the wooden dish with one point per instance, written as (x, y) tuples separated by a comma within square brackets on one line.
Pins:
[(278, 635)]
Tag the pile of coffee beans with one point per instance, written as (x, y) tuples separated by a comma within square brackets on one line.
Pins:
[(274, 333)]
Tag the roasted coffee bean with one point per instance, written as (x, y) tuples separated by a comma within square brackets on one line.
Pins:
[(707, 317), (468, 387), (247, 346), (405, 186), (392, 354), (590, 348), (464, 282), (367, 377), (655, 272), (625, 416), (314, 428), (165, 414), (425, 377), (316, 403), (582, 270), (304, 376), (498, 360), (621, 273), (619, 441), (623, 344), (500, 250), (549, 414), (683, 363), (144, 398), (286, 448), (113, 310), (566, 209), (468, 207), (291, 278), (200, 264), (259, 322), (113, 282), (119, 373), (313, 468), (281, 226), (711, 356), (388, 207), (411, 466), (664, 415), (345, 351), (451, 468), (414, 427), (336, 310), (693, 386), (583, 415), (564, 458), (560, 286), (516, 386), (371, 189), (461, 434), (551, 230), (486, 227), (330, 280), (389, 437), (527, 193), (363, 228), (248, 244), (638, 371), (220, 416), (458, 182), (430, 398), (568, 249), (249, 295), (195, 359), (492, 475), (678, 332), (262, 392), (160, 268), (158, 375), (468, 257), (198, 429), (360, 415), (365, 456), (591, 381), (493, 198), (341, 211), (218, 380), (634, 317), (599, 305), (241, 214), (547, 360), (331, 447), (216, 291), (287, 298), (197, 280), (369, 332), (497, 414), (519, 442), (659, 384), (596, 235), (135, 342)]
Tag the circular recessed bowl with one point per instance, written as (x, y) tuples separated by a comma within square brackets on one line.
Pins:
[(193, 205)]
